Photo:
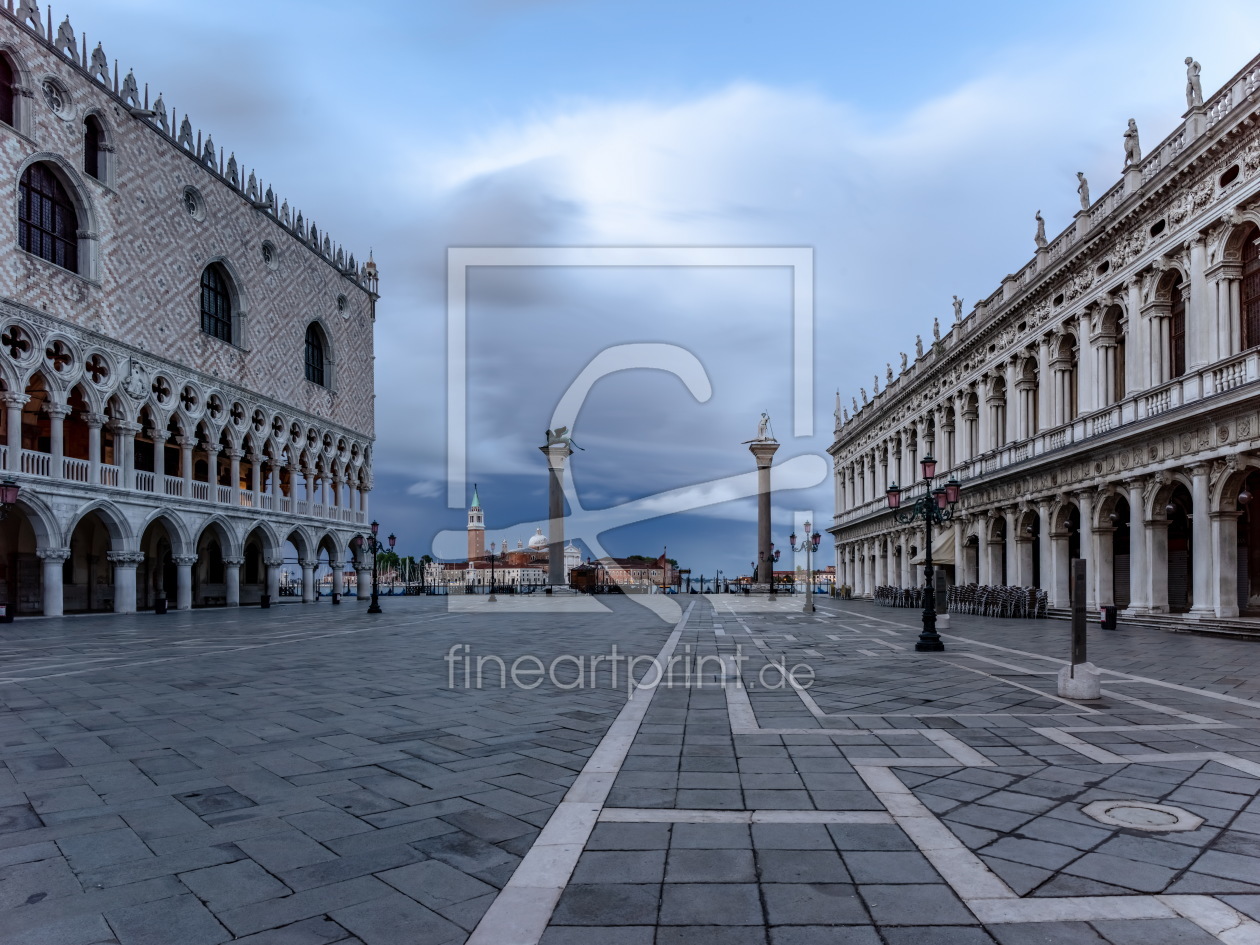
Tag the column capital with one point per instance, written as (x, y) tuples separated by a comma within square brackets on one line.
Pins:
[(125, 559), (273, 562), (232, 452), (184, 561), (306, 563), (54, 554), (58, 411), (13, 399), (1200, 468), (95, 420), (126, 428), (337, 565), (186, 442), (230, 562), (213, 448)]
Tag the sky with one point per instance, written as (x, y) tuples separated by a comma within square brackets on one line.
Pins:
[(904, 149)]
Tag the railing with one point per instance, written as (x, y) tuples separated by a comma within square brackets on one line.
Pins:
[(1056, 440), (1158, 402), (75, 470), (79, 471), (36, 464), (1229, 376)]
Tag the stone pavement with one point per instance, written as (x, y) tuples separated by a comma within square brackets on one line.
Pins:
[(310, 774)]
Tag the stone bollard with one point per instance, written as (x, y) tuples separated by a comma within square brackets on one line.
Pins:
[(1079, 679)]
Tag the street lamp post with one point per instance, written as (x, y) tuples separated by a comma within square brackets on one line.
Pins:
[(374, 546), (717, 582), (809, 546), (493, 556), (935, 507)]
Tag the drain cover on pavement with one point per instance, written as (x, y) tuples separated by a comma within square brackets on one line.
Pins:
[(1142, 815)]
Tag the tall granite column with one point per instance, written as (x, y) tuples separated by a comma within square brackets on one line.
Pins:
[(556, 452), (763, 451)]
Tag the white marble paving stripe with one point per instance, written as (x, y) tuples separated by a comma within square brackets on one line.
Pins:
[(1216, 918), (1084, 710), (804, 696), (1070, 909), (956, 747), (1067, 740), (520, 913), (662, 815), (1156, 707), (965, 872)]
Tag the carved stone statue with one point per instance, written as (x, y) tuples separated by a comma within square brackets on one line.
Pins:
[(855, 406), (936, 328), (889, 371), (763, 428), (905, 361), (137, 384), (865, 399), (875, 387), (918, 347), (1082, 189), (1040, 239), (1194, 89), (560, 437), (1132, 148), (958, 302), (846, 413)]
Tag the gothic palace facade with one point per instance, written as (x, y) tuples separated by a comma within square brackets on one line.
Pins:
[(1102, 404), (186, 364)]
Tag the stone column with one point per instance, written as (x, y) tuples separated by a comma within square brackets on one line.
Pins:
[(94, 423), (907, 569), (338, 576), (183, 580), (125, 434), (186, 444), (1012, 546), (960, 551), (125, 579), (996, 551), (1200, 344), (1137, 342), (1013, 405), (1225, 552), (1105, 566), (1058, 564), (13, 403), (54, 559), (308, 580), (763, 451), (984, 440), (1085, 502), (1139, 572), (1085, 365), (57, 414), (1023, 560), (881, 563), (1201, 541), (273, 566), (232, 580), (234, 476), (1045, 402), (255, 477)]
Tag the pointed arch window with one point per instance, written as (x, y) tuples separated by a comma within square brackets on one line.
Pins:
[(216, 303), (48, 226), (315, 356), (93, 138), (8, 94), (1251, 290)]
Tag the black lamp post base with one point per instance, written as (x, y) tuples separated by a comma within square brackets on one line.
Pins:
[(928, 645), (374, 608)]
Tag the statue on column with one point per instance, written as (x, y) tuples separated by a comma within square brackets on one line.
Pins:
[(865, 399), (1082, 189), (918, 346), (905, 360), (959, 302), (936, 328), (855, 406), (763, 427), (888, 372), (1040, 239), (1194, 89), (1132, 149)]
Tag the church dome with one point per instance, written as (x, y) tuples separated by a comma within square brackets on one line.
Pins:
[(538, 541)]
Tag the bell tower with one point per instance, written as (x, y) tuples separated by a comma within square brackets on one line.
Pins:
[(476, 529)]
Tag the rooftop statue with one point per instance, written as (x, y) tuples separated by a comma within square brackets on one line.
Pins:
[(1040, 238), (1132, 149), (1194, 89), (936, 328), (1082, 189), (958, 302)]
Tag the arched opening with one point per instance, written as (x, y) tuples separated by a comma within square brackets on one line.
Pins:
[(254, 570), (36, 426), (1176, 329), (216, 303), (324, 578), (1029, 398), (8, 92), (316, 355), (209, 573), (21, 577), (76, 435), (997, 573), (48, 224), (1250, 290), (1180, 511), (997, 413), (1028, 550), (1066, 398), (172, 456), (157, 575), (971, 560), (290, 570), (88, 574), (1121, 536), (1111, 343)]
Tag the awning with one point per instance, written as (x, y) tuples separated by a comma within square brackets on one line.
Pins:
[(942, 548)]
